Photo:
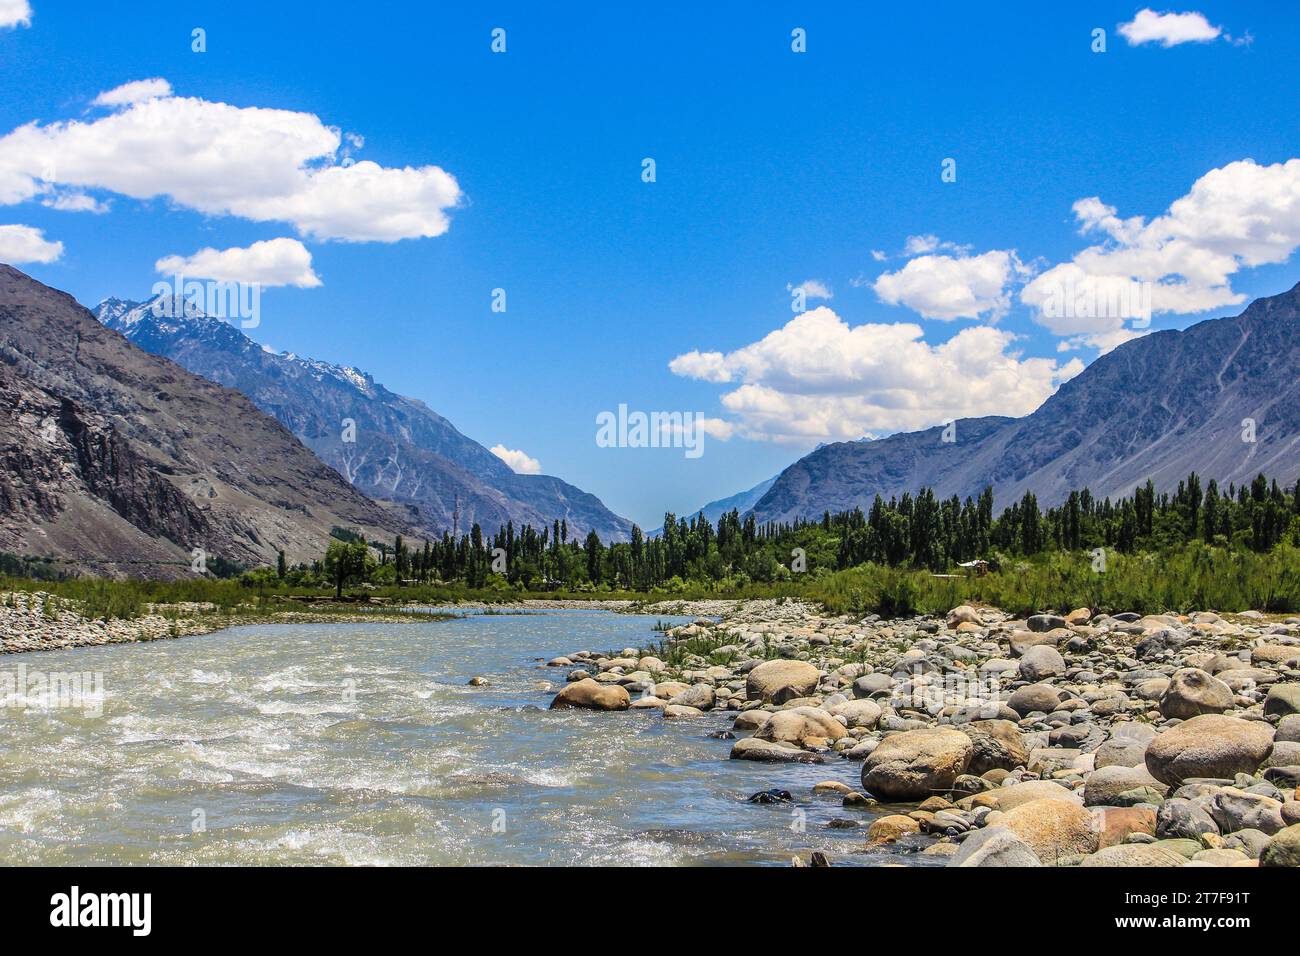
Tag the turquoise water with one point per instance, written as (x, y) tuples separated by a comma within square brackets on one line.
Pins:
[(363, 744)]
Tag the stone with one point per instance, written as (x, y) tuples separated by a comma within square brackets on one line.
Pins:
[(1185, 819), (1035, 697), (1046, 622), (1211, 745), (748, 748), (998, 745), (1117, 824), (1272, 654), (805, 726), (1008, 798), (914, 764), (1104, 785), (857, 713), (1121, 753), (751, 719), (891, 828), (1192, 692), (588, 694), (994, 846), (1288, 729), (1135, 855), (781, 680), (1282, 700), (1040, 663), (1054, 829), (1283, 849), (680, 711), (963, 614), (1234, 809), (698, 696)]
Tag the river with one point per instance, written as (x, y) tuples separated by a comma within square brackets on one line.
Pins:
[(363, 744)]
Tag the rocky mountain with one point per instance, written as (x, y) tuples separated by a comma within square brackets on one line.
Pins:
[(742, 502), (395, 449), (125, 462), (1157, 407)]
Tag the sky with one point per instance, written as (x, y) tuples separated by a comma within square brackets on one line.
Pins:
[(858, 219)]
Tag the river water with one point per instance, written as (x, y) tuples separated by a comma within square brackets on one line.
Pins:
[(363, 744)]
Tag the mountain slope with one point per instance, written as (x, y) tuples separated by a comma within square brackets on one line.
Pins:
[(124, 461), (1157, 407), (400, 449)]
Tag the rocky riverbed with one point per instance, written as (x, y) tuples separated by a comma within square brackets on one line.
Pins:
[(1079, 739)]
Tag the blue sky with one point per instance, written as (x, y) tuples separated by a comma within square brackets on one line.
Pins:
[(772, 167)]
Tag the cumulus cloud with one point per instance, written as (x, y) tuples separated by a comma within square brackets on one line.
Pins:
[(136, 91), (819, 379), (1236, 216), (256, 163), (272, 262), (811, 289), (15, 13), (19, 244), (1168, 29), (1103, 342), (519, 462), (952, 287)]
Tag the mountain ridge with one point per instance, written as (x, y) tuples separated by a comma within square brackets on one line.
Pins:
[(1156, 407), (400, 449)]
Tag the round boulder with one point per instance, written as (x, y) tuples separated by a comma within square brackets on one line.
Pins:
[(779, 681), (587, 694), (914, 764), (1192, 692), (1211, 745), (1054, 829)]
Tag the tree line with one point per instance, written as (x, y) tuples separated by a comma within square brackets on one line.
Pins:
[(920, 531)]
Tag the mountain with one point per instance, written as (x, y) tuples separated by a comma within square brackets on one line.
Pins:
[(401, 450), (741, 502), (125, 462), (1157, 407)]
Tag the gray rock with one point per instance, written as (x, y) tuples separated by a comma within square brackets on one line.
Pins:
[(994, 846)]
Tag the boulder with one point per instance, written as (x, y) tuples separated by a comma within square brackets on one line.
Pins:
[(1234, 810), (1046, 622), (1282, 700), (857, 713), (1040, 663), (994, 846), (997, 745), (1008, 798), (804, 726), (699, 696), (751, 719), (1183, 819), (1273, 654), (750, 748), (1117, 824), (1283, 849), (1104, 785), (1211, 745), (890, 828), (1035, 697), (963, 614), (1055, 830), (588, 694), (780, 681), (916, 763), (1192, 692), (1135, 855)]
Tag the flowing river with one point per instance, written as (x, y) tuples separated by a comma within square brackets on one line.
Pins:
[(363, 744)]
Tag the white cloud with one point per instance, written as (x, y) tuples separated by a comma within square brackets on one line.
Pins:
[(15, 13), (136, 91), (272, 262), (811, 289), (252, 162), (947, 287), (520, 463), (818, 379), (73, 200), (1168, 29), (1103, 342), (20, 244), (1236, 216)]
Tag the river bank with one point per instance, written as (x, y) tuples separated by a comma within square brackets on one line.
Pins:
[(38, 621), (985, 740)]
